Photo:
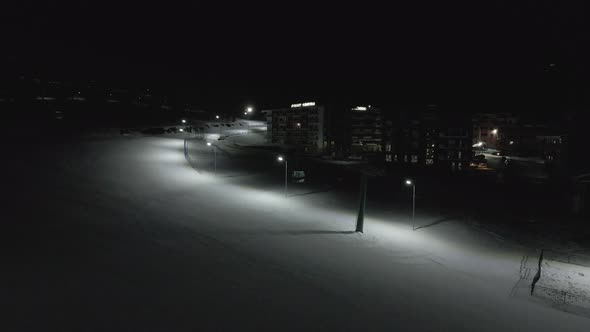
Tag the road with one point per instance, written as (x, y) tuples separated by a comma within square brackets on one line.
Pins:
[(121, 234)]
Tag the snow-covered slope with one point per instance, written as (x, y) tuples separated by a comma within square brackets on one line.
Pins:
[(122, 234)]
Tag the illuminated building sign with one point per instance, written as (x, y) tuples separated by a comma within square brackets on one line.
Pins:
[(359, 108), (308, 104)]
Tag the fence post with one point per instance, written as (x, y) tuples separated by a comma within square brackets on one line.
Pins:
[(538, 275)]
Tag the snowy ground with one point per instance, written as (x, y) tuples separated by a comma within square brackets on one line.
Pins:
[(120, 233)]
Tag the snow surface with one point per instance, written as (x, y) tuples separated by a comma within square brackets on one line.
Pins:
[(123, 234)]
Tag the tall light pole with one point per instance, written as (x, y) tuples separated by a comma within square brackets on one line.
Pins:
[(214, 157), (281, 159), (411, 183), (249, 111)]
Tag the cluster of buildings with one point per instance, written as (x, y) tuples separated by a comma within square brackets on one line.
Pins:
[(507, 134), (76, 101), (426, 136), (418, 137)]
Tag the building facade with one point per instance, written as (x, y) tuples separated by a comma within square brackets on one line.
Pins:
[(366, 132), (489, 129), (428, 138), (301, 126)]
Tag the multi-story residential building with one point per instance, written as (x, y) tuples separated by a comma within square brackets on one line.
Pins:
[(301, 126), (428, 138), (366, 131)]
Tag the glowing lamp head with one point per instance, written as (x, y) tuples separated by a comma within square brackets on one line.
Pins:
[(208, 143), (409, 182), (280, 158), (217, 116), (181, 130), (250, 109), (495, 131), (183, 121)]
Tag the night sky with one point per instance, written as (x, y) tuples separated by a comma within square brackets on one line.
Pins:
[(494, 54)]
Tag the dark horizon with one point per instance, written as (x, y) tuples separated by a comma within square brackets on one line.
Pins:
[(503, 55)]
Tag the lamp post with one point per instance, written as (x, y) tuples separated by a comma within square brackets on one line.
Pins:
[(281, 159), (249, 111), (214, 157), (411, 183)]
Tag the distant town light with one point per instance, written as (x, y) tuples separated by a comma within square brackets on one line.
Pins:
[(511, 142), (245, 113), (298, 124)]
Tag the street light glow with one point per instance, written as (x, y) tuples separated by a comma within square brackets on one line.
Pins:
[(280, 158), (495, 131), (217, 116), (183, 121), (181, 130), (208, 143), (250, 109), (409, 182)]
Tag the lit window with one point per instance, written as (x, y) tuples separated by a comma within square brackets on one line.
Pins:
[(414, 159)]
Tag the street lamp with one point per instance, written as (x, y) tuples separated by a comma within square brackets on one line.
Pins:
[(411, 183), (249, 109), (495, 131), (217, 116), (214, 156), (281, 159), (183, 121)]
